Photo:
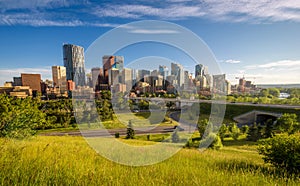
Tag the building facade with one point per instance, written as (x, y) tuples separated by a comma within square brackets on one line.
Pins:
[(74, 62), (59, 78)]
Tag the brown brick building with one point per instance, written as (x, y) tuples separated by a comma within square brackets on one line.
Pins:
[(33, 81)]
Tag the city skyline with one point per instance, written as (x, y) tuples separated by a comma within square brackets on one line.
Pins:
[(259, 41)]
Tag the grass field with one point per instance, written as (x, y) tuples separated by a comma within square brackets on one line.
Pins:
[(70, 161)]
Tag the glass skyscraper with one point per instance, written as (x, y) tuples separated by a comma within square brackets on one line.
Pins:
[(74, 63)]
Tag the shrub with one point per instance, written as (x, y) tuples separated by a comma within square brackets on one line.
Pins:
[(254, 133), (245, 129), (117, 135), (282, 151), (130, 132), (212, 141)]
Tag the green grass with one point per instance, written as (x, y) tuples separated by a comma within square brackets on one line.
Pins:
[(45, 160)]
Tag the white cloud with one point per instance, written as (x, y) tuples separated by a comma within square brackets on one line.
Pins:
[(82, 12), (276, 65), (8, 74), (231, 61)]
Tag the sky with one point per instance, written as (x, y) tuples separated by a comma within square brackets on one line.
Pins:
[(255, 39)]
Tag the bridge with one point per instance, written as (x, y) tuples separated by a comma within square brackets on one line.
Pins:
[(260, 117)]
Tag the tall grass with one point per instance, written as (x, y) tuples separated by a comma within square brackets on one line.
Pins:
[(45, 160)]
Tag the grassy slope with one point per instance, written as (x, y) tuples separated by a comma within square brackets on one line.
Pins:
[(70, 161)]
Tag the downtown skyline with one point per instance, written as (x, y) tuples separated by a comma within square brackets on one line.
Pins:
[(251, 39)]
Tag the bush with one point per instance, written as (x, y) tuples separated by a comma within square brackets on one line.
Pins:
[(254, 133), (212, 141), (282, 151), (117, 135), (130, 132)]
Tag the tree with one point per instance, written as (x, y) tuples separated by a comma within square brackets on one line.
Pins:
[(212, 141), (254, 133), (222, 131), (288, 123), (269, 133), (130, 131), (282, 151), (20, 117), (201, 126), (235, 131)]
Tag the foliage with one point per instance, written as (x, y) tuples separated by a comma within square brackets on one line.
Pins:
[(254, 133), (269, 133), (201, 126), (20, 117), (282, 151), (130, 131), (222, 131), (245, 129), (288, 123), (212, 141), (234, 130), (117, 135)]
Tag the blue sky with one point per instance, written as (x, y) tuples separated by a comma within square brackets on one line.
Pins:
[(258, 39)]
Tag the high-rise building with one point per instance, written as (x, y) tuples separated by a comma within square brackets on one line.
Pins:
[(97, 77), (59, 78), (74, 63), (110, 62), (142, 74), (126, 78), (219, 83), (177, 71), (201, 70), (33, 81), (113, 76)]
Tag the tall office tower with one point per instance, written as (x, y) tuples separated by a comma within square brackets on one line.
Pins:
[(97, 77), (126, 78), (199, 70), (135, 77), (142, 74), (113, 76), (109, 62), (33, 81), (186, 84), (59, 78), (219, 84), (177, 71), (164, 71), (154, 73), (74, 63)]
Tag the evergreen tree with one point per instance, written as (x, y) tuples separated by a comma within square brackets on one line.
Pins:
[(130, 131)]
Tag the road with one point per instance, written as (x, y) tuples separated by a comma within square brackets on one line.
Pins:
[(112, 132), (217, 102)]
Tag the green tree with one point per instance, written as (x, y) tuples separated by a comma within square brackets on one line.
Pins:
[(269, 133), (288, 123), (130, 131), (254, 133), (282, 151), (20, 117), (222, 131)]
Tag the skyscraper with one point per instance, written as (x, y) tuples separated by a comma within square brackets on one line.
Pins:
[(59, 78), (74, 63), (110, 62), (126, 78), (177, 71), (97, 77)]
